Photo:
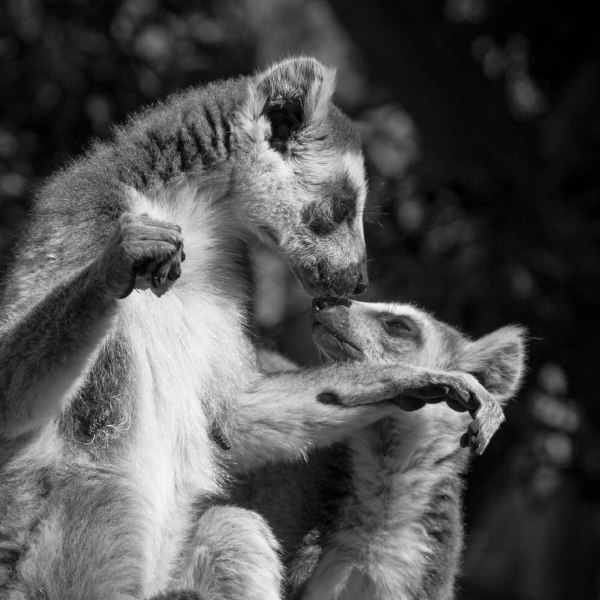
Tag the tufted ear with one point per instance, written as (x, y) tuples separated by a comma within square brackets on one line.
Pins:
[(497, 360), (291, 94)]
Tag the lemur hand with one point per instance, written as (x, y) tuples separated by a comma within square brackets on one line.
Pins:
[(142, 253), (461, 392)]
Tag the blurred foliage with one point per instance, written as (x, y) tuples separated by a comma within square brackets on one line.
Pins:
[(481, 123)]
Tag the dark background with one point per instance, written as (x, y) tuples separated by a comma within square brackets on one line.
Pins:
[(481, 124)]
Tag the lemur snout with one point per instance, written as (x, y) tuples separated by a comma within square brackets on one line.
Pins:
[(327, 280)]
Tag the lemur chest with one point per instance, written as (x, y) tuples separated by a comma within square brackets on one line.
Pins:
[(190, 358), (189, 346)]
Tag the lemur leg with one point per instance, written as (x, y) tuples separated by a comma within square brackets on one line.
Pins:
[(45, 352), (232, 555), (288, 414)]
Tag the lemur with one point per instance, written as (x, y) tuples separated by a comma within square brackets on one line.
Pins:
[(110, 398), (379, 517)]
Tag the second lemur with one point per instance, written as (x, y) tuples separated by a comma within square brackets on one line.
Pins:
[(380, 516)]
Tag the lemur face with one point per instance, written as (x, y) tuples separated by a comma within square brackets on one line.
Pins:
[(301, 177), (350, 330), (367, 331)]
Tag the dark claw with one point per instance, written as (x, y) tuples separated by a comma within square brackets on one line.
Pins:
[(462, 396), (464, 440), (158, 278), (174, 272)]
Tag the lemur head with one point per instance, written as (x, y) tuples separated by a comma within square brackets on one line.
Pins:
[(346, 330), (300, 176)]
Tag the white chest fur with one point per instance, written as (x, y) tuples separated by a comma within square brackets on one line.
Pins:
[(191, 358)]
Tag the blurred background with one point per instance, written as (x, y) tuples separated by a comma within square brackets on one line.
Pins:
[(481, 126)]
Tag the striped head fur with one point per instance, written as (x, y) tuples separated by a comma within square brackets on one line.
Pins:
[(300, 176)]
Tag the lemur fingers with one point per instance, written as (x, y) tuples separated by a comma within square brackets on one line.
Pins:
[(143, 253), (456, 389), (488, 419), (159, 275)]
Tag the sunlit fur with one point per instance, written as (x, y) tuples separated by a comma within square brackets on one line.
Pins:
[(399, 534), (107, 460)]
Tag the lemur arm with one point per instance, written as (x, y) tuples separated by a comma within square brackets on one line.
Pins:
[(45, 351), (285, 415)]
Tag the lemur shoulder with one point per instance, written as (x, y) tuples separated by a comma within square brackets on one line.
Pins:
[(379, 517), (109, 397)]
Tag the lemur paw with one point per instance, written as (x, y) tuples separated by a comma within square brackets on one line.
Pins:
[(143, 253), (462, 392), (415, 398), (457, 390), (487, 420)]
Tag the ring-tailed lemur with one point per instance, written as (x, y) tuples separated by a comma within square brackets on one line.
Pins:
[(380, 516), (107, 406)]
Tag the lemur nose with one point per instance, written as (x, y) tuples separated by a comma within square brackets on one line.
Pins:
[(319, 304)]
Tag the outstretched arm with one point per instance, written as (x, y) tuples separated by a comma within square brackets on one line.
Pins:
[(45, 352), (285, 415)]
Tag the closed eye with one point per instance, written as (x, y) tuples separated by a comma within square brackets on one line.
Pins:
[(400, 326), (343, 208)]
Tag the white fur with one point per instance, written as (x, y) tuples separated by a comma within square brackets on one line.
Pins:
[(184, 343)]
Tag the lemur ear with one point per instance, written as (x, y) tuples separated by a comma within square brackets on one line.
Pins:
[(292, 94), (497, 360)]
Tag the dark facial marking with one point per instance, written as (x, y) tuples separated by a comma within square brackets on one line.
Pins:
[(344, 196), (318, 216), (336, 206)]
